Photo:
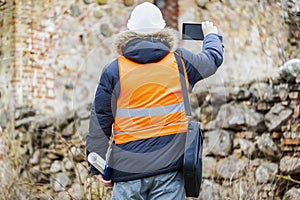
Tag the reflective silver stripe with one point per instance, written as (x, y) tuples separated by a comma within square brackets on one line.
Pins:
[(141, 130), (146, 112)]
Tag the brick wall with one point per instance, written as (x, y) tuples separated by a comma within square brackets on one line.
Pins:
[(33, 79), (25, 54)]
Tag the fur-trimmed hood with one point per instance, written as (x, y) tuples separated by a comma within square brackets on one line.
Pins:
[(167, 36)]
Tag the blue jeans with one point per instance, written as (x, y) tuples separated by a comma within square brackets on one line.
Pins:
[(168, 186)]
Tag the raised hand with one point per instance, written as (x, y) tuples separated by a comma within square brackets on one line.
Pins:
[(208, 27)]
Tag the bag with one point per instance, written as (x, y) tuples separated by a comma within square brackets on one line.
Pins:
[(192, 161)]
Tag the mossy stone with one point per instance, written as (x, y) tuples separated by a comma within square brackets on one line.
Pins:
[(98, 14), (88, 1), (128, 2), (105, 30), (102, 2)]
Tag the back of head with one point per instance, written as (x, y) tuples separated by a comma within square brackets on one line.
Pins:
[(146, 18)]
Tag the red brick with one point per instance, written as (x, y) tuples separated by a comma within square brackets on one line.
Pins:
[(28, 70), (37, 67), (50, 97)]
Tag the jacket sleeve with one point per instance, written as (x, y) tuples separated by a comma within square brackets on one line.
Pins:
[(101, 118), (205, 63)]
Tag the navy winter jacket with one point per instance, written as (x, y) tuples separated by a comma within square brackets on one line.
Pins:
[(152, 156)]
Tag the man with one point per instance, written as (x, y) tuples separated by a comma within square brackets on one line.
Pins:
[(139, 96)]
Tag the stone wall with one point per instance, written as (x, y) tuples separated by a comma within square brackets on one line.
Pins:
[(255, 35), (251, 146), (54, 51), (83, 45), (252, 138)]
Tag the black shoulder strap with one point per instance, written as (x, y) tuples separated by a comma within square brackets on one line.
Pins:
[(183, 85)]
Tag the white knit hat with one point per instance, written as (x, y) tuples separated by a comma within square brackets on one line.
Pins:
[(146, 18)]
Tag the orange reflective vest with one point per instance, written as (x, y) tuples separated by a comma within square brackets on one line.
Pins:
[(150, 103)]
